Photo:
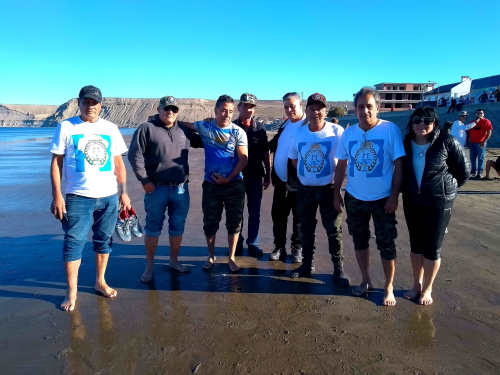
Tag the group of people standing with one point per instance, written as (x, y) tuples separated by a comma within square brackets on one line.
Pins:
[(312, 158)]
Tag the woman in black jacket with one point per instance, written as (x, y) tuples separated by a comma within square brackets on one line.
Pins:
[(434, 167)]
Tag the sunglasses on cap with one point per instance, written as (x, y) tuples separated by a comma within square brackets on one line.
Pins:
[(171, 108), (247, 97), (426, 120)]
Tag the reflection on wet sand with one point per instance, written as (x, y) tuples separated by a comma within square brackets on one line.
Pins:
[(420, 330)]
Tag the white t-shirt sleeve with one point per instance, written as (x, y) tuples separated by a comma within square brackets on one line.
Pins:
[(119, 144), (293, 152), (397, 148), (58, 144), (242, 139), (341, 152)]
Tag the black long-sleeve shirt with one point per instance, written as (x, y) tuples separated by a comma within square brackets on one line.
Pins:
[(159, 154)]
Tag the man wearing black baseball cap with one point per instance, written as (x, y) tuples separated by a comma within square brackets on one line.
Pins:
[(257, 173), (88, 151), (312, 153)]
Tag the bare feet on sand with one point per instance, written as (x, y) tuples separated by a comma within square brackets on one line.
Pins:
[(209, 263), (389, 299), (178, 267), (105, 290), (426, 298), (413, 292), (69, 302), (147, 276), (233, 267), (362, 288)]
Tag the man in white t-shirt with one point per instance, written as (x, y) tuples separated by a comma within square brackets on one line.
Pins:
[(458, 129), (312, 153), (283, 177), (371, 153), (87, 151)]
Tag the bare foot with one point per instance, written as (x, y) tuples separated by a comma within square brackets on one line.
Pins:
[(426, 298), (147, 276), (362, 288), (233, 267), (413, 292), (209, 263), (178, 267), (389, 299), (105, 290), (69, 302)]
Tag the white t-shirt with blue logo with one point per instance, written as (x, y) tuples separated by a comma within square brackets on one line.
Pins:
[(315, 152), (220, 144), (89, 150), (370, 159)]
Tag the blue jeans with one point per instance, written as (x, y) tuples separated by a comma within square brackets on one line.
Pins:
[(175, 199), (478, 153), (86, 213), (253, 191)]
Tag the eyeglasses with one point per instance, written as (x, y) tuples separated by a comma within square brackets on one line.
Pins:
[(426, 120), (171, 108)]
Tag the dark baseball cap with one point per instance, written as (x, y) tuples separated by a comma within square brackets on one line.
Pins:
[(168, 100), (91, 92), (248, 98), (316, 98)]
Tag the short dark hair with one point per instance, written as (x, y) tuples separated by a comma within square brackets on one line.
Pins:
[(424, 112), (479, 110), (367, 90), (223, 99), (335, 120)]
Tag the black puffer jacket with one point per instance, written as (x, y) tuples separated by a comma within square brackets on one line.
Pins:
[(446, 169)]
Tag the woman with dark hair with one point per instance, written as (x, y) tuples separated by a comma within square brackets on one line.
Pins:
[(434, 167)]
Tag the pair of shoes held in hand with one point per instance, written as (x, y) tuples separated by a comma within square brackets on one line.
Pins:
[(127, 225)]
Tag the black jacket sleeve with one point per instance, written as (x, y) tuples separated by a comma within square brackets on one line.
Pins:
[(136, 153), (458, 162)]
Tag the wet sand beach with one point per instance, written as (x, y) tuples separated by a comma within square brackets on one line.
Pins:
[(257, 322)]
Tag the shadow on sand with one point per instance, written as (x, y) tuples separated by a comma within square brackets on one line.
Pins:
[(31, 267)]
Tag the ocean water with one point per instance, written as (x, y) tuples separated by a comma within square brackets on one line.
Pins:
[(24, 154), (34, 134)]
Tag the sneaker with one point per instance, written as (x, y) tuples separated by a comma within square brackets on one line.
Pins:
[(339, 275), (297, 254), (279, 253), (135, 226), (479, 175), (122, 228), (255, 251), (305, 270)]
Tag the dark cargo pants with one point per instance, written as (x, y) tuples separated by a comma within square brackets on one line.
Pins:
[(309, 198), (230, 196), (358, 221)]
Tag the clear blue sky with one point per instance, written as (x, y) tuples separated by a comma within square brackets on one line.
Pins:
[(202, 49)]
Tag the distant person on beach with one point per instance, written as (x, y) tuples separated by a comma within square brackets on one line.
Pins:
[(159, 158), (479, 134), (492, 164), (284, 179), (257, 173), (226, 155), (371, 152), (87, 150), (312, 153), (447, 127), (434, 167), (459, 129)]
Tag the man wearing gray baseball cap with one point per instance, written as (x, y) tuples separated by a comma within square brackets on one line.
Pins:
[(458, 129), (159, 158)]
